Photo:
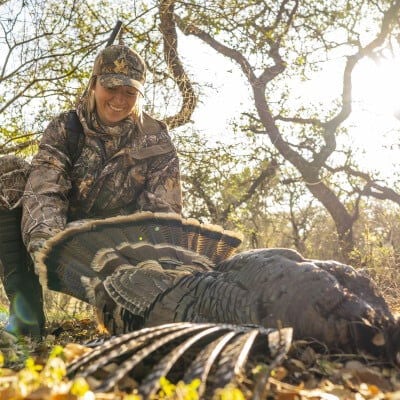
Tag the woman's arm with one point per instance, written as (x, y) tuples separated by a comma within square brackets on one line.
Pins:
[(163, 185), (162, 191), (45, 201)]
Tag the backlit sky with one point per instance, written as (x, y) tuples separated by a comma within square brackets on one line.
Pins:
[(376, 95)]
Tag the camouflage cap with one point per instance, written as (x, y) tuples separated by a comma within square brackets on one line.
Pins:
[(120, 66)]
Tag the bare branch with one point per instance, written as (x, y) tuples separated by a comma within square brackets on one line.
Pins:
[(388, 19), (189, 99), (190, 29), (18, 147)]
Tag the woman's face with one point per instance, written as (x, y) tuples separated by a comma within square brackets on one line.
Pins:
[(114, 104)]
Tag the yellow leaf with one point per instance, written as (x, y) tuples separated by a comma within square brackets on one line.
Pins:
[(79, 387), (229, 392), (132, 397), (56, 351)]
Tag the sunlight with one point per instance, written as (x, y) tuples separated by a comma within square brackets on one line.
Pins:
[(376, 114), (377, 86)]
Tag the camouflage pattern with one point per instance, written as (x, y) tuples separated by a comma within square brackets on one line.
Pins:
[(120, 66), (120, 170), (17, 274), (13, 176)]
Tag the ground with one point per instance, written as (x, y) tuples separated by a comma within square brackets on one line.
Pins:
[(34, 370), (304, 374)]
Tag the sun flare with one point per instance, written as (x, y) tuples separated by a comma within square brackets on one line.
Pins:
[(376, 113), (377, 86)]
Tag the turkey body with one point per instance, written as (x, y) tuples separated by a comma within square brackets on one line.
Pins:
[(324, 301), (186, 272)]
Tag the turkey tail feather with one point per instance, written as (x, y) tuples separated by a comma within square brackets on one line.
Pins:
[(91, 249), (211, 241)]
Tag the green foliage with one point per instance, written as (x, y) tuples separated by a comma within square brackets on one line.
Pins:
[(218, 177)]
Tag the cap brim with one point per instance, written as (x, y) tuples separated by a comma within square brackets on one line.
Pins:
[(113, 80)]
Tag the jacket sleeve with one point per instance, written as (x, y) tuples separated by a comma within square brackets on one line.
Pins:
[(45, 200), (162, 191)]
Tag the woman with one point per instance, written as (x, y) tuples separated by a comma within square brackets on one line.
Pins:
[(126, 160)]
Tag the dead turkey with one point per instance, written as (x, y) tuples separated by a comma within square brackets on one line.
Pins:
[(149, 269)]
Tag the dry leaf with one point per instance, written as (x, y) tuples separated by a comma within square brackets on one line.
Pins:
[(73, 350)]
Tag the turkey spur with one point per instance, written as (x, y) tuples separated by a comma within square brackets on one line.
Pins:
[(148, 269)]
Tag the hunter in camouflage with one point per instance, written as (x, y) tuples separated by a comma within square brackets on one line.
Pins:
[(123, 162), (123, 168)]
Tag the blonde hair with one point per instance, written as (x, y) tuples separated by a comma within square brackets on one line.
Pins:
[(89, 105)]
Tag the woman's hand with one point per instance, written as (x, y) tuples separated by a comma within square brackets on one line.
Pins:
[(34, 248), (36, 245)]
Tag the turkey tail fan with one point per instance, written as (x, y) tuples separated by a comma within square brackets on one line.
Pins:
[(152, 227), (92, 249), (106, 261), (62, 266), (227, 246), (68, 257), (210, 240), (191, 231), (170, 257), (136, 288)]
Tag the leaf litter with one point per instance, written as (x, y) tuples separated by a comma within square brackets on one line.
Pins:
[(31, 370)]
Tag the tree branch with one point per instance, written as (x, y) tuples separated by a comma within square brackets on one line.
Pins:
[(265, 174), (332, 125), (190, 29), (189, 98)]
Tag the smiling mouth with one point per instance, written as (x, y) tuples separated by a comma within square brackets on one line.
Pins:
[(117, 109)]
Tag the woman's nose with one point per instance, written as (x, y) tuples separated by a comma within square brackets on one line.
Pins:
[(119, 97)]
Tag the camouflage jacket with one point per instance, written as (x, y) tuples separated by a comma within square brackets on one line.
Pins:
[(112, 176), (13, 175)]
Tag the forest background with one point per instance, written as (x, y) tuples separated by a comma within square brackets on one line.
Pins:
[(284, 113)]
